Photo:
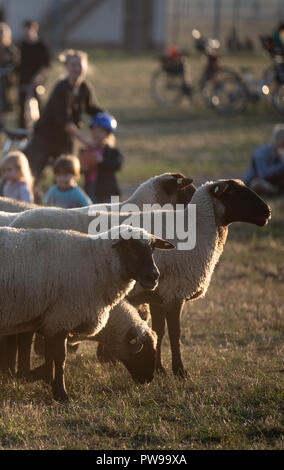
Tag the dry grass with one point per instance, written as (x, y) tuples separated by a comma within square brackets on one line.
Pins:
[(232, 340)]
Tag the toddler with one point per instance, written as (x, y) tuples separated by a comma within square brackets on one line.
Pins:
[(65, 192), (101, 161), (18, 180)]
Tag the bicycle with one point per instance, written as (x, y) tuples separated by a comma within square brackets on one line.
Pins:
[(221, 87), (15, 138), (270, 85)]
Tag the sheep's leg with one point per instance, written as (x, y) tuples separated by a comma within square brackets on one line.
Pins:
[(24, 354), (173, 315), (8, 353), (158, 325), (56, 351)]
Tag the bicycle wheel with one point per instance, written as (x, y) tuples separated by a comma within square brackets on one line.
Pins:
[(167, 89), (278, 97), (225, 92)]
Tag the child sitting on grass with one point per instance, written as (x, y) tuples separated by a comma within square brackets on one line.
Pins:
[(102, 160), (18, 180), (65, 192)]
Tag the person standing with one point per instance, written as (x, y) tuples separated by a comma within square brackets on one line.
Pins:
[(59, 123), (9, 61), (34, 62)]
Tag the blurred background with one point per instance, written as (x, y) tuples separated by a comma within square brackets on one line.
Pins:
[(136, 25)]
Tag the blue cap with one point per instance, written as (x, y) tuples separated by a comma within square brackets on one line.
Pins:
[(104, 120)]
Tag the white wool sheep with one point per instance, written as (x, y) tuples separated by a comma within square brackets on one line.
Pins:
[(186, 274), (37, 295), (12, 205), (173, 188), (167, 188), (7, 217)]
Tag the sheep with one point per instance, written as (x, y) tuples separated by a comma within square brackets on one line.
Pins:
[(128, 339), (36, 295), (186, 275), (172, 188), (12, 205)]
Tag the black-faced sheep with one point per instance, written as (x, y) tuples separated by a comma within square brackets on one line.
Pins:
[(41, 269), (186, 274)]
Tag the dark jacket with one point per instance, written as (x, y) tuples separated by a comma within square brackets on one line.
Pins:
[(62, 108), (106, 184), (34, 57)]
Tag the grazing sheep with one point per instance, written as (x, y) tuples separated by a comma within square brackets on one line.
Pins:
[(128, 339), (186, 275), (38, 295)]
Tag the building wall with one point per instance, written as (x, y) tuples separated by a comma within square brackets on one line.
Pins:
[(103, 25)]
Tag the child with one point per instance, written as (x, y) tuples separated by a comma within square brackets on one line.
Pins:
[(65, 192), (18, 180), (100, 162)]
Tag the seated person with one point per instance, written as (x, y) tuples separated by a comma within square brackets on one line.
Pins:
[(65, 192), (266, 170)]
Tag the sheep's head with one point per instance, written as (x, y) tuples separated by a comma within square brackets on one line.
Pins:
[(168, 188), (136, 256), (141, 353), (174, 188), (235, 202)]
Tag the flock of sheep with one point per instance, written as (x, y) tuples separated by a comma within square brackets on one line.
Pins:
[(64, 285)]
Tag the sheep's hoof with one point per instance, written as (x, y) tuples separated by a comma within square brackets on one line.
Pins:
[(160, 370), (61, 397), (23, 374), (181, 373), (39, 373)]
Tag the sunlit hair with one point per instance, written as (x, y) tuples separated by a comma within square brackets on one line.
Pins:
[(67, 164), (20, 161), (68, 54), (7, 34), (278, 135)]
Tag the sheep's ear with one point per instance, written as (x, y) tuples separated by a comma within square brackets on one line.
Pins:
[(134, 343), (162, 244), (184, 183), (219, 188), (176, 182)]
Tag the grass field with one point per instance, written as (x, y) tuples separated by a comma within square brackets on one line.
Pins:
[(232, 341)]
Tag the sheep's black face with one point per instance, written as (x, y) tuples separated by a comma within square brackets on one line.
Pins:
[(137, 259), (241, 204), (141, 358), (179, 186)]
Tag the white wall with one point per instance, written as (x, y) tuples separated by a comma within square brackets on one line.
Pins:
[(19, 10), (104, 24)]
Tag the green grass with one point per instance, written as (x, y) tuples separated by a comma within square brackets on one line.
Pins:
[(232, 341)]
